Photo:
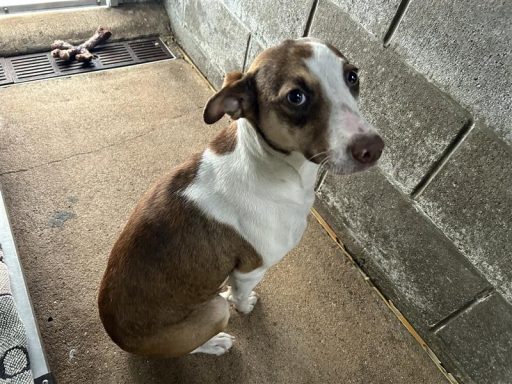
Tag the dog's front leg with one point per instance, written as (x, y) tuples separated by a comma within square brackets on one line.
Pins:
[(240, 293)]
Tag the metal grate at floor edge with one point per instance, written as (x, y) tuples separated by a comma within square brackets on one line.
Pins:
[(38, 66), (4, 75)]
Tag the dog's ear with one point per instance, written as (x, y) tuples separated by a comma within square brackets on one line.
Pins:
[(236, 98)]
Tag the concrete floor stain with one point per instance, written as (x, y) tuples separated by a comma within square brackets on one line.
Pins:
[(60, 217)]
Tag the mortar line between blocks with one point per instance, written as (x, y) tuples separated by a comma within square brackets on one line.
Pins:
[(247, 51), (311, 15), (321, 179), (395, 22), (479, 298), (445, 157)]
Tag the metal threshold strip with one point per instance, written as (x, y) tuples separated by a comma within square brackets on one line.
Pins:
[(16, 6), (38, 363), (38, 66)]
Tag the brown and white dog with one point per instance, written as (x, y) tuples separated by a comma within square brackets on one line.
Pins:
[(234, 210)]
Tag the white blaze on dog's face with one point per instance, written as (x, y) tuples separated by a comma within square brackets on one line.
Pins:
[(302, 96), (353, 143)]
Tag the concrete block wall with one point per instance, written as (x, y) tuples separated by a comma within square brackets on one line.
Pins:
[(432, 225)]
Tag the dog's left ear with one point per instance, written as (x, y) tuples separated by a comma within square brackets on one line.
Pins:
[(236, 98)]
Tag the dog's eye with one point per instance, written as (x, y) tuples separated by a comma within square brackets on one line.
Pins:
[(296, 97), (352, 78)]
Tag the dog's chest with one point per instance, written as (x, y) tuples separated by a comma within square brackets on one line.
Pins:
[(274, 226), (271, 216)]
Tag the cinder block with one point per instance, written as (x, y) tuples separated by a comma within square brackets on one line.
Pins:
[(471, 199), (464, 47), (176, 12), (416, 119), (374, 15), (412, 261), (481, 339), (272, 21), (214, 39)]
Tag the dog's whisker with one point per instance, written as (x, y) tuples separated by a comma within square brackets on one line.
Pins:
[(318, 154), (312, 157), (324, 162)]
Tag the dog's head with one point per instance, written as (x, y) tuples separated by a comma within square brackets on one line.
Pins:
[(302, 96)]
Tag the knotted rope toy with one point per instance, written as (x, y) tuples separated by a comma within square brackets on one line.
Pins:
[(82, 52)]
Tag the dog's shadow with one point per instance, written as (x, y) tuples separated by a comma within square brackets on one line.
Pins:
[(252, 354)]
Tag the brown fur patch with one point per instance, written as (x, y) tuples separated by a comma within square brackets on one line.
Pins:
[(236, 98), (277, 71), (225, 141), (231, 77), (169, 260)]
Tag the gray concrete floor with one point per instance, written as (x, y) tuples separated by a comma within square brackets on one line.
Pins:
[(75, 155)]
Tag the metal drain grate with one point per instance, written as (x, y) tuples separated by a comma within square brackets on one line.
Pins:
[(145, 50), (39, 66), (117, 55), (24, 68), (4, 79)]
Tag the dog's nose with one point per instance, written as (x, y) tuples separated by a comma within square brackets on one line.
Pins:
[(366, 149)]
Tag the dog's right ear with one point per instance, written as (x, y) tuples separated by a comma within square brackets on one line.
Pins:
[(236, 98)]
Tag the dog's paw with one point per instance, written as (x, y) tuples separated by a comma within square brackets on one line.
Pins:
[(217, 345), (228, 295), (220, 344), (246, 306)]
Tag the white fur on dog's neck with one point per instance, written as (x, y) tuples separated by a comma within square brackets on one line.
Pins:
[(265, 195)]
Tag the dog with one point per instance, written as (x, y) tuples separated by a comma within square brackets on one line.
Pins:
[(231, 212)]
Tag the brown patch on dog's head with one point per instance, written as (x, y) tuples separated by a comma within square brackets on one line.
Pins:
[(261, 97), (225, 141), (293, 111)]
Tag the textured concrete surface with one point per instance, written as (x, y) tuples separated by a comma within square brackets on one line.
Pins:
[(482, 339), (423, 273), (416, 120), (475, 211), (374, 15), (464, 47), (77, 181), (107, 126), (214, 39), (272, 21), (25, 33)]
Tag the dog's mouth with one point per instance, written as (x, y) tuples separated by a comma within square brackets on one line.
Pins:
[(342, 164)]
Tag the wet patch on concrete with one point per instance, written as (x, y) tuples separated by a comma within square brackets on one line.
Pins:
[(59, 218)]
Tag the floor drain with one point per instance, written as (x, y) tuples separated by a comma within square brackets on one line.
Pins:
[(3, 75), (20, 69)]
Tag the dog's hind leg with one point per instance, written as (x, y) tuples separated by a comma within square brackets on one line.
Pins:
[(198, 332)]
